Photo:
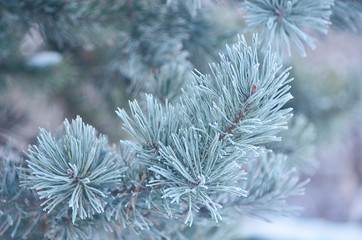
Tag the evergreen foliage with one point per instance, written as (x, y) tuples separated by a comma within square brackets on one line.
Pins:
[(163, 35), (216, 128), (204, 146), (19, 208), (347, 15), (298, 143), (57, 20), (283, 21), (10, 118), (77, 169), (271, 173)]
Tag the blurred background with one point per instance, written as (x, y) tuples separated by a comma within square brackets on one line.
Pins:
[(60, 59)]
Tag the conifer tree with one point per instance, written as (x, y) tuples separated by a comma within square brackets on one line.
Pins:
[(202, 142)]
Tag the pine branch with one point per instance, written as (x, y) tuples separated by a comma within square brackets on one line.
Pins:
[(197, 151), (76, 168), (194, 159), (283, 21)]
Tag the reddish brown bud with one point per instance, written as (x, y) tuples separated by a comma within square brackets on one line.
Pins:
[(253, 89), (279, 13), (70, 172)]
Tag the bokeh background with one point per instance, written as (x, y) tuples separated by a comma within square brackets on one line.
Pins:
[(60, 59)]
